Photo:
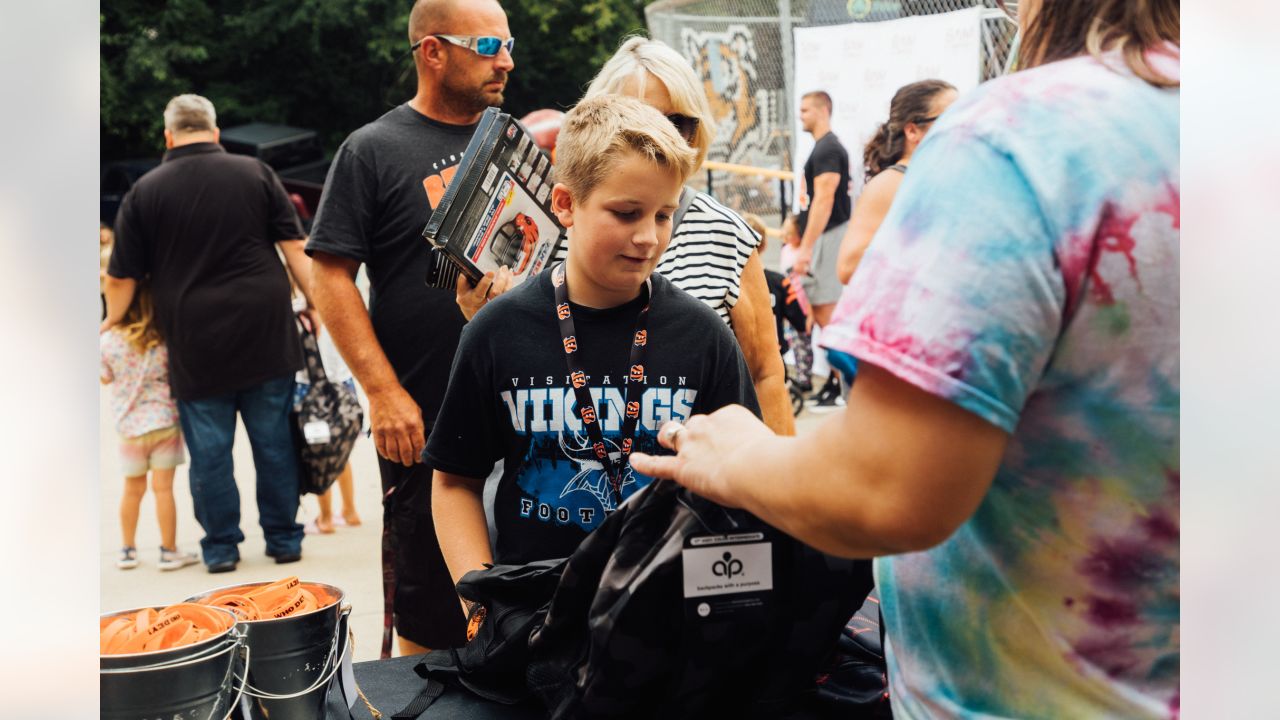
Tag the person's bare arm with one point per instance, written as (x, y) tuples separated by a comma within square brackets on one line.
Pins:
[(299, 267), (757, 333), (873, 204), (119, 293), (897, 470), (395, 419), (458, 510), (823, 200)]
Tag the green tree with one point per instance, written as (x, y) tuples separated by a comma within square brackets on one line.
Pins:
[(330, 65)]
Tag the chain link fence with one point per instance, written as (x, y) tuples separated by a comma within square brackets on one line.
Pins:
[(742, 51)]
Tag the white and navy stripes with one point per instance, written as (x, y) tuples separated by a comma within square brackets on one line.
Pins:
[(707, 254)]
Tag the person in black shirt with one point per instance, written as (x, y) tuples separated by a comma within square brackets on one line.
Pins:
[(203, 228), (385, 179), (826, 181), (565, 375)]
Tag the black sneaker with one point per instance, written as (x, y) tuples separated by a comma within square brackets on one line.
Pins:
[(829, 397), (222, 567), (285, 558), (830, 389), (827, 404)]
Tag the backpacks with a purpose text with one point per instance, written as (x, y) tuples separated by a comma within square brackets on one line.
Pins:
[(325, 425)]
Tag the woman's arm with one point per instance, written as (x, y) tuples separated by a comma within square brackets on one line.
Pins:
[(897, 470), (873, 204), (458, 510), (757, 334)]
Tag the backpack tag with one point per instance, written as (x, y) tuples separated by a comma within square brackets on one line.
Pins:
[(727, 576), (316, 432)]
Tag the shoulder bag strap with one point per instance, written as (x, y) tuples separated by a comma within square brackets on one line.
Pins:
[(311, 355), (686, 199)]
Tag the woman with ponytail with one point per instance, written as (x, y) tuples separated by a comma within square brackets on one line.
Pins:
[(1010, 448), (914, 108)]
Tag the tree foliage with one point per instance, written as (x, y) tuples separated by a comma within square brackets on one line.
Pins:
[(330, 65)]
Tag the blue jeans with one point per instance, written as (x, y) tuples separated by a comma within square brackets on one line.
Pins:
[(209, 426)]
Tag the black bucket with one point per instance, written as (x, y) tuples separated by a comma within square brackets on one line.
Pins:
[(292, 660), (200, 680)]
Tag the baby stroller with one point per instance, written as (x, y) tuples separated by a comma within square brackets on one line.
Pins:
[(788, 305)]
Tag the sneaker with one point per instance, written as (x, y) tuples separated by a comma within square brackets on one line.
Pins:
[(827, 404), (828, 394), (222, 566), (174, 559), (128, 559)]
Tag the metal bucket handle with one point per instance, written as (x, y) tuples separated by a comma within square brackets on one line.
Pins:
[(327, 671), (238, 643), (244, 681)]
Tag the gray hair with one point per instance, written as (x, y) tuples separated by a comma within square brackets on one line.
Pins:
[(190, 113)]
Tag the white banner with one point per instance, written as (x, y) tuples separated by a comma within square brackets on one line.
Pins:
[(861, 66)]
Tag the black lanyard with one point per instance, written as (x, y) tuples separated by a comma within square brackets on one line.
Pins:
[(636, 381)]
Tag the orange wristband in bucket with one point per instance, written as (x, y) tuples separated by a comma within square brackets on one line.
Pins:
[(147, 630), (285, 598)]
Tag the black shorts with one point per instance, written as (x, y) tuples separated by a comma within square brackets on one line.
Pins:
[(424, 602)]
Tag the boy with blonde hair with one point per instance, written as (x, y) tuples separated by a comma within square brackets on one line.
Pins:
[(568, 374)]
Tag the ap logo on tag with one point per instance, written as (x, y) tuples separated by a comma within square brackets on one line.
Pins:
[(727, 566)]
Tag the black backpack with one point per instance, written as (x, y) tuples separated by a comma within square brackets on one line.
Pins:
[(855, 683), (492, 664), (624, 638), (325, 425)]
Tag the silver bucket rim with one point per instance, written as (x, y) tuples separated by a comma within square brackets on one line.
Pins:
[(337, 604), (193, 648)]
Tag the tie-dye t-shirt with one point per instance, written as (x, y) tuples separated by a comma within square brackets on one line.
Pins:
[(1028, 272)]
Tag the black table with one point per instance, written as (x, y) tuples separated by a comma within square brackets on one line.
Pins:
[(391, 684)]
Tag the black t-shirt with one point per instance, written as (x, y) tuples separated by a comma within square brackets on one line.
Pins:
[(384, 182), (829, 156), (203, 228), (510, 397)]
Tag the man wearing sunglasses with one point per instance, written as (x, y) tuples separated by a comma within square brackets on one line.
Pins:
[(385, 179)]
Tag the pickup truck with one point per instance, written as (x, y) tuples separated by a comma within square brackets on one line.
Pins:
[(294, 153)]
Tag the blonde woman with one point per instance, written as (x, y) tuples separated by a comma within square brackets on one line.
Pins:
[(712, 255)]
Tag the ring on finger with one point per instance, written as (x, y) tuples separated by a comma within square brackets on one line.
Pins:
[(676, 429)]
